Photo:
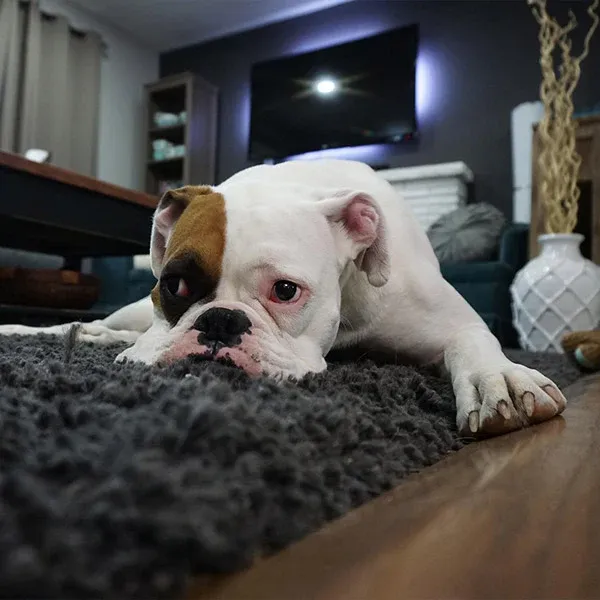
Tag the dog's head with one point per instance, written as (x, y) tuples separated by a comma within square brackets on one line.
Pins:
[(254, 272)]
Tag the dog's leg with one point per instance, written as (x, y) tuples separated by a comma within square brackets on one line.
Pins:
[(493, 394), (124, 325)]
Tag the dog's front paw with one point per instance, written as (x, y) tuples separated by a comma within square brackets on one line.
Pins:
[(132, 354), (123, 356), (503, 399)]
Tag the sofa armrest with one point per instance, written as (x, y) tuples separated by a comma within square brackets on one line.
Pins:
[(514, 245)]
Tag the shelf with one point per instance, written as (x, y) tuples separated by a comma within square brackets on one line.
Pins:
[(167, 162), (170, 99), (168, 169), (198, 98), (173, 133)]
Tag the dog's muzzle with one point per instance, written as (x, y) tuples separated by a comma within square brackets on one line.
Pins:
[(222, 328)]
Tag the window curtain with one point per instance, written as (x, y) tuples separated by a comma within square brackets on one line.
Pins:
[(49, 86)]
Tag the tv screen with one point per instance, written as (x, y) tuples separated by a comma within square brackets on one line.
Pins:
[(357, 93)]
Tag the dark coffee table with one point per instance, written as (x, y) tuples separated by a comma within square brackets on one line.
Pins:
[(44, 208), (47, 209)]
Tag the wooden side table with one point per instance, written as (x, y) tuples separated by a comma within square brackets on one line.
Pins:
[(588, 145)]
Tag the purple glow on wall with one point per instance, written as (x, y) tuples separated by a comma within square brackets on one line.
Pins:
[(371, 154), (429, 86), (332, 37), (242, 128)]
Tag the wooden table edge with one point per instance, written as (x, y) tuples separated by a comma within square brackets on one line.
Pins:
[(20, 163)]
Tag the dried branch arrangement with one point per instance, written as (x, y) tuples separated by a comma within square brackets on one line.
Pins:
[(559, 160)]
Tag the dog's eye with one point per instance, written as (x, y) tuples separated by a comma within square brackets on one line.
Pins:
[(177, 286), (285, 291)]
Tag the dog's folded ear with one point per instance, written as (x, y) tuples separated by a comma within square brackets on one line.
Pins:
[(359, 220), (168, 211)]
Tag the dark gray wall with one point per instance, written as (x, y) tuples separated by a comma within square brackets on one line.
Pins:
[(478, 60)]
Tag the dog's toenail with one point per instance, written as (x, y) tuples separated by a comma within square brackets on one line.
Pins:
[(553, 393), (503, 409), (529, 403), (474, 421)]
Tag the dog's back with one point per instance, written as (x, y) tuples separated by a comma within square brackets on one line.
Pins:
[(405, 231)]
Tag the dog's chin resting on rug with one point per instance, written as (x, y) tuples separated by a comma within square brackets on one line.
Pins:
[(122, 480)]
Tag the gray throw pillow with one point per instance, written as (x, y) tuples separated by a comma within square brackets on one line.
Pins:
[(469, 233)]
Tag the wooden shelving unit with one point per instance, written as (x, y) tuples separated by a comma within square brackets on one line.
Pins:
[(195, 137), (588, 223)]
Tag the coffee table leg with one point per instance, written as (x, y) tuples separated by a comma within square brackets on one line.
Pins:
[(72, 263)]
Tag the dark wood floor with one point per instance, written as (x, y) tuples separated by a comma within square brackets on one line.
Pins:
[(517, 516)]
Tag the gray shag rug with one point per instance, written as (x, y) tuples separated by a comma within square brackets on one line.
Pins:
[(125, 481)]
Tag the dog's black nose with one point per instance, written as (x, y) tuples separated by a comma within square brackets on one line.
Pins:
[(222, 327)]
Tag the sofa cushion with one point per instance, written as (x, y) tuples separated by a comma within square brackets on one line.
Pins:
[(486, 297), (479, 272), (469, 233)]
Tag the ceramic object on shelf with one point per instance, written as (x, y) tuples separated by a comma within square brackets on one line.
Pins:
[(556, 292), (164, 119)]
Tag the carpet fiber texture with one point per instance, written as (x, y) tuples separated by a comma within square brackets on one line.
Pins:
[(124, 481)]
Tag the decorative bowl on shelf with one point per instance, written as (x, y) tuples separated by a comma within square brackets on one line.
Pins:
[(49, 288), (162, 150), (160, 144), (163, 119)]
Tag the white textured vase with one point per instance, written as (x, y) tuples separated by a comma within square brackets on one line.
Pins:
[(556, 292)]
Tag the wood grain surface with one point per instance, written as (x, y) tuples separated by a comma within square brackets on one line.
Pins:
[(20, 163), (516, 516)]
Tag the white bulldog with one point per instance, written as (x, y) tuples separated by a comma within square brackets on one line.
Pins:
[(279, 265)]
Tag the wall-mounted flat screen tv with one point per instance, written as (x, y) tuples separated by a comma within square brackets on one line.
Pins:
[(353, 94)]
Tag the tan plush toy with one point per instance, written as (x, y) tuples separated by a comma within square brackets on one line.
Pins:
[(584, 347)]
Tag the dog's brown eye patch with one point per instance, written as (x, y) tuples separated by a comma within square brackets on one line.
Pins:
[(184, 282), (200, 231)]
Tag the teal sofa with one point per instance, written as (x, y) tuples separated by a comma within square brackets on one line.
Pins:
[(485, 285), (121, 283)]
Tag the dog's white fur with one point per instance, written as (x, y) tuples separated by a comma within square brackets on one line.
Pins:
[(374, 282)]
